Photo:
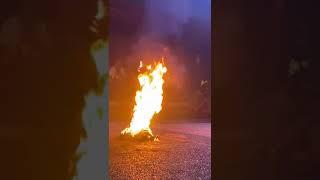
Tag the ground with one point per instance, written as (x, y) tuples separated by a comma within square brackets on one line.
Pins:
[(183, 152)]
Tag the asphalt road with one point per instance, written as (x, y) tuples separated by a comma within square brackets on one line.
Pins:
[(183, 152)]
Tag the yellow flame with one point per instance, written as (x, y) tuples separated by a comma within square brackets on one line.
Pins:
[(148, 99)]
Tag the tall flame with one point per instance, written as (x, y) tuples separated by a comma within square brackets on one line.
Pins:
[(148, 98)]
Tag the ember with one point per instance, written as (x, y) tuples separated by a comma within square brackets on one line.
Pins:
[(148, 101)]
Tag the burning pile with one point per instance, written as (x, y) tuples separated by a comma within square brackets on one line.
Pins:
[(148, 101)]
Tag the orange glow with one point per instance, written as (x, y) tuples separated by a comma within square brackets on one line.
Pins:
[(148, 98)]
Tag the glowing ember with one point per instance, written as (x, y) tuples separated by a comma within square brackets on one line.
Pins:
[(148, 98)]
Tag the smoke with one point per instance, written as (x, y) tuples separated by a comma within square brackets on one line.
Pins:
[(150, 49), (175, 31), (164, 25), (166, 16)]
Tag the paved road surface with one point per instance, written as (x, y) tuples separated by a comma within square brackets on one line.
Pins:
[(184, 152)]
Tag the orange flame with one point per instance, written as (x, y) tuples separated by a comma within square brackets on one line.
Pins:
[(148, 98)]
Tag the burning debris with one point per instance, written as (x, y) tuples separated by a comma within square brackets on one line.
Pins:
[(148, 102), (143, 135)]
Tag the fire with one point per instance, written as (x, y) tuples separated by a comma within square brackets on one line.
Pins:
[(148, 98)]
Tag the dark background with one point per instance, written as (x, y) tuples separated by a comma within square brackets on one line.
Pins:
[(266, 121), (45, 71)]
